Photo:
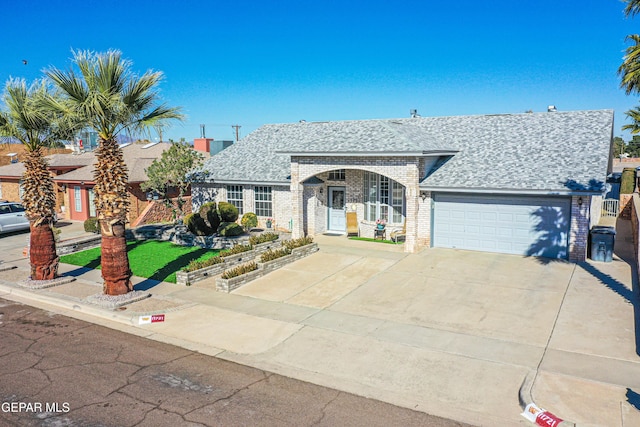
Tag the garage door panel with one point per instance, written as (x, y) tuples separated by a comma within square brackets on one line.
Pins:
[(518, 225)]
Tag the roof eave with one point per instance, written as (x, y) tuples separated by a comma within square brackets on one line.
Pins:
[(517, 191), (423, 153)]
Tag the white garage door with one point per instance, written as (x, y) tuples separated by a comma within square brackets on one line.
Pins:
[(514, 225)]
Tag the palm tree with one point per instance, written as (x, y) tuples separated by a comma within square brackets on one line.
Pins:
[(630, 67), (632, 8), (111, 99), (27, 120)]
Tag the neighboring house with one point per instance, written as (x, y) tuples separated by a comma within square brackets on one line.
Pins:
[(74, 178), (79, 183), (509, 183), (11, 175)]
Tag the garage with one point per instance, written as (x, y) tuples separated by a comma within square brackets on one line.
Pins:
[(523, 225)]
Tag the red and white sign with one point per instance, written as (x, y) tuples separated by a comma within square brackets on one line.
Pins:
[(154, 318), (541, 417)]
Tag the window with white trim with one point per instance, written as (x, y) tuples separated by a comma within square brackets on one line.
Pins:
[(92, 202), (263, 201), (77, 198), (383, 199), (234, 196), (337, 175)]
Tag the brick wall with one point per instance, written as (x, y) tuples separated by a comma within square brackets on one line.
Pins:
[(10, 191), (280, 198), (404, 170), (579, 228)]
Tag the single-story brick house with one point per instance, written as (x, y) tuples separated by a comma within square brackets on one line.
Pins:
[(526, 183)]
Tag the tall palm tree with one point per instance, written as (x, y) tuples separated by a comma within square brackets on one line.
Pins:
[(632, 8), (111, 99), (27, 120)]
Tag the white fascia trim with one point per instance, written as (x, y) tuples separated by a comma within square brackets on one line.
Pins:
[(511, 192), (368, 153), (244, 182)]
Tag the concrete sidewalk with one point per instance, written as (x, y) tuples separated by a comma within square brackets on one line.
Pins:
[(458, 334)]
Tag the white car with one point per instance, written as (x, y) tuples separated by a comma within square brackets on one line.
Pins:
[(12, 217)]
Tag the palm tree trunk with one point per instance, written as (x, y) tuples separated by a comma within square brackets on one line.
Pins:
[(115, 262), (42, 251)]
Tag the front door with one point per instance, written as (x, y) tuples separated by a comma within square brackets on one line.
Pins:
[(337, 210)]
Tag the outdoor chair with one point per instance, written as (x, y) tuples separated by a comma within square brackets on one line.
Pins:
[(395, 235), (352, 224)]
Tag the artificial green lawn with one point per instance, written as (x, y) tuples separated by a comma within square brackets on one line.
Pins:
[(368, 239), (151, 259)]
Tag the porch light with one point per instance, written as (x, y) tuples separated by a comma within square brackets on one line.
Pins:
[(423, 195)]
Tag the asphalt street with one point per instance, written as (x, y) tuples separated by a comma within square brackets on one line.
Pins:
[(62, 372)]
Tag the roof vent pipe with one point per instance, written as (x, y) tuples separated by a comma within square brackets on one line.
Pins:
[(551, 109), (414, 113)]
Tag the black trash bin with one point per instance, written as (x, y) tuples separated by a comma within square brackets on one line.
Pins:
[(602, 240)]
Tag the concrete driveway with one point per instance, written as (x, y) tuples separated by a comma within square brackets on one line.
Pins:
[(455, 333)]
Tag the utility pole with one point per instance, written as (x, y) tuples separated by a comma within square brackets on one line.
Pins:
[(237, 128)]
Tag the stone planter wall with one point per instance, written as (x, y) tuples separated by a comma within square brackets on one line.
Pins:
[(187, 279), (80, 244), (263, 247), (228, 285)]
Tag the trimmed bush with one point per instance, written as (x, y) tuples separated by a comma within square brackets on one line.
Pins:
[(239, 270), (263, 238), (237, 249), (272, 254), (208, 212), (296, 243), (628, 181), (228, 212), (249, 221), (230, 229), (92, 225), (197, 265)]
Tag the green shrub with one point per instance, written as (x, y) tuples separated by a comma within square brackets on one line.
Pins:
[(197, 265), (92, 225), (263, 238), (237, 249), (228, 212), (230, 229), (239, 270), (198, 226), (188, 220), (272, 254), (209, 213), (249, 220), (628, 181), (296, 243)]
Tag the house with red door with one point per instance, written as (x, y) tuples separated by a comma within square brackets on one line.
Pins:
[(73, 175)]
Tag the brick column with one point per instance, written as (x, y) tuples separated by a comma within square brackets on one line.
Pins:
[(412, 192), (297, 199), (579, 229)]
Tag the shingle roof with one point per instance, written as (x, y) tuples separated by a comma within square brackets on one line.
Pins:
[(537, 151), (136, 157)]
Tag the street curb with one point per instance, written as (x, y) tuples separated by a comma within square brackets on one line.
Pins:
[(525, 398), (66, 302)]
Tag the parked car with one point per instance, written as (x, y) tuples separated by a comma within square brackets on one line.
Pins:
[(12, 217)]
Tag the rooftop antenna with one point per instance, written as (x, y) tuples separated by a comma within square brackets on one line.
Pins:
[(202, 131)]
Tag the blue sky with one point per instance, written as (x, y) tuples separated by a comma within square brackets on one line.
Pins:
[(256, 62)]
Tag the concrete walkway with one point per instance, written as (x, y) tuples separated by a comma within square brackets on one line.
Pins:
[(458, 334)]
